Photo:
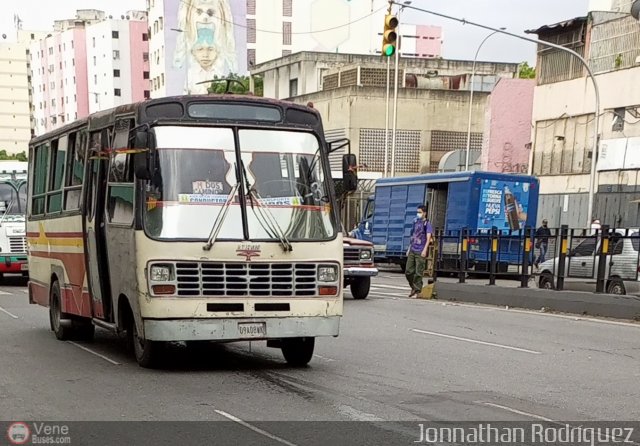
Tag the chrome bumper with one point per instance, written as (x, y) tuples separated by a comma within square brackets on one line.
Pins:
[(227, 329), (360, 272)]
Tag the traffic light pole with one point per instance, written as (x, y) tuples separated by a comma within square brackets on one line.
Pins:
[(386, 126), (395, 109)]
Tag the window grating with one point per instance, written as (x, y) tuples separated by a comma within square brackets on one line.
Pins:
[(372, 150)]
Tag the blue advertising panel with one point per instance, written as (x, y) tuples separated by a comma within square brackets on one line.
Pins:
[(503, 205)]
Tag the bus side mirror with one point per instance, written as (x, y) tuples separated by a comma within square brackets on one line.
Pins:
[(350, 172), (141, 159)]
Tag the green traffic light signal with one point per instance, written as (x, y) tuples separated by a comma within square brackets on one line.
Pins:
[(389, 50)]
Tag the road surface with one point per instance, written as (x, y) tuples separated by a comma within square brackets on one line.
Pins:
[(396, 359)]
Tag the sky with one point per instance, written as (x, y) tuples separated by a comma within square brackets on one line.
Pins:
[(460, 41)]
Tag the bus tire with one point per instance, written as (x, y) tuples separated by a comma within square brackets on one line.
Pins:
[(298, 351), (145, 351), (62, 331), (360, 287)]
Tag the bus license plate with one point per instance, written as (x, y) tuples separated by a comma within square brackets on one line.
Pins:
[(24, 267), (252, 329)]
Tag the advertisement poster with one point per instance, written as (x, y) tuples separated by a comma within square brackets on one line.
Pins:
[(503, 205), (202, 42)]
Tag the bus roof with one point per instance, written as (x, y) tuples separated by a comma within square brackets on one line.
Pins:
[(11, 166), (145, 111), (448, 177)]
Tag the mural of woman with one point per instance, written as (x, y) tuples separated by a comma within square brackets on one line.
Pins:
[(206, 43)]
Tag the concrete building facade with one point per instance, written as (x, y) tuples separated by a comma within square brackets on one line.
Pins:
[(350, 93), (89, 63), (564, 118), (15, 100)]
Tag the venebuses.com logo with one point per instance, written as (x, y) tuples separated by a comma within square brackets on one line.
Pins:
[(18, 433)]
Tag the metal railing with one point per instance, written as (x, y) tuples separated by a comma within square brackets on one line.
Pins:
[(597, 258)]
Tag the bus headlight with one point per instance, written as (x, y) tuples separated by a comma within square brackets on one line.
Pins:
[(160, 273), (365, 254), (327, 273)]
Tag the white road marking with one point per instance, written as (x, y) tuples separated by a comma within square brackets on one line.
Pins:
[(576, 318), (357, 415), (383, 294), (254, 428), (4, 293), (88, 350), (475, 341), (325, 358), (10, 314), (516, 411), (393, 287)]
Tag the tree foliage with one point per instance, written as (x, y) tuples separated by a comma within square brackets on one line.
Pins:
[(240, 86), (4, 156), (526, 72)]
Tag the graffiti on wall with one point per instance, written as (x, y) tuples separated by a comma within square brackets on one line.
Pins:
[(507, 164)]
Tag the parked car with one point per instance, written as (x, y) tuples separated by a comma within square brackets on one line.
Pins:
[(581, 266), (359, 267)]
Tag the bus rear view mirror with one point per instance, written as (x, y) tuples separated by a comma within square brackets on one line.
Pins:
[(350, 172), (141, 159)]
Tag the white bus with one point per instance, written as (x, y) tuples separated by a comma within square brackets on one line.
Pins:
[(193, 218), (13, 207)]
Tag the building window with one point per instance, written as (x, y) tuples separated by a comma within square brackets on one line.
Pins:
[(145, 75), (93, 39), (147, 94), (251, 7), (73, 62), (95, 79), (286, 53), (74, 98), (251, 30), (162, 80), (251, 57), (51, 51), (116, 73), (293, 88), (286, 33), (116, 55), (145, 37), (287, 8), (161, 21), (117, 92), (95, 61), (115, 34), (145, 57)]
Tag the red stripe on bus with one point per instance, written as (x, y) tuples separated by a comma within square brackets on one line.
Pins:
[(74, 300), (57, 234)]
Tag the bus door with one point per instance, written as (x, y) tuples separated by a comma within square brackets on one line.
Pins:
[(94, 226)]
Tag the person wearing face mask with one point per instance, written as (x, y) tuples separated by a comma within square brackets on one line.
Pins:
[(542, 242), (417, 253)]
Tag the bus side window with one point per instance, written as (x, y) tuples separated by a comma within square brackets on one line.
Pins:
[(75, 171), (40, 175), (120, 199)]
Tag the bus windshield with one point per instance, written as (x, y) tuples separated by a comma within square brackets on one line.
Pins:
[(13, 202), (197, 168)]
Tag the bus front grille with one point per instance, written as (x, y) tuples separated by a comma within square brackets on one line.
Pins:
[(217, 279), (18, 244)]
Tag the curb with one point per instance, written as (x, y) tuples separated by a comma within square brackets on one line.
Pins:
[(602, 305)]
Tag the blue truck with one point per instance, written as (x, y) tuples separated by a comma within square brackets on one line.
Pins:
[(476, 201)]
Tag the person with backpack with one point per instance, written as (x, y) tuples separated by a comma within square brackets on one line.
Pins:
[(421, 236)]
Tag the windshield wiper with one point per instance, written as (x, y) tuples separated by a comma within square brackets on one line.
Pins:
[(6, 212), (268, 222), (219, 221)]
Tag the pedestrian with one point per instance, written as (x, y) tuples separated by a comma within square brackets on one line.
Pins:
[(421, 236), (542, 242)]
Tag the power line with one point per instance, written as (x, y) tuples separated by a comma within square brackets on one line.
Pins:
[(231, 22)]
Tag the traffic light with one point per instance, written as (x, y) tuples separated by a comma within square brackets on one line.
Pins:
[(390, 35)]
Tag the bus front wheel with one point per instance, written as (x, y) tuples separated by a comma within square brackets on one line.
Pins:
[(145, 351), (298, 351)]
